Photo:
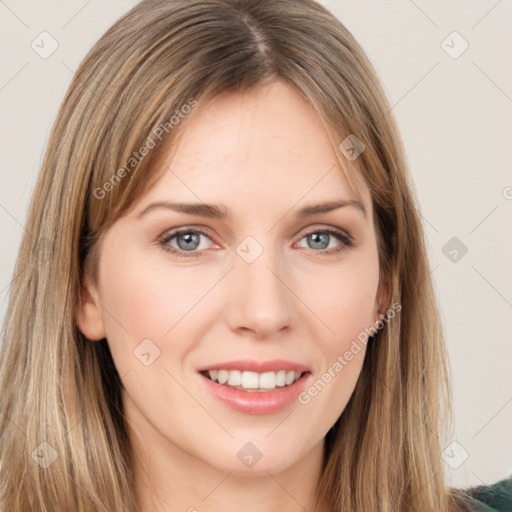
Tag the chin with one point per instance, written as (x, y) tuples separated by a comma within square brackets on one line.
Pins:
[(256, 459)]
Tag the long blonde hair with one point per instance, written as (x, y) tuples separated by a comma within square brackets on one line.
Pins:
[(58, 388)]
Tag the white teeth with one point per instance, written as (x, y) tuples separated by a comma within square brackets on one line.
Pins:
[(253, 380), (235, 378), (222, 377), (267, 380), (290, 376), (250, 380), (281, 378)]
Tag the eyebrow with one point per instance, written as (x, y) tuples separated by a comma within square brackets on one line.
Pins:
[(221, 212)]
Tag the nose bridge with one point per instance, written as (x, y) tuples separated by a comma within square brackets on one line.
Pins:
[(261, 300)]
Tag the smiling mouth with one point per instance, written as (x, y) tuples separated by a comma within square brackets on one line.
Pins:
[(254, 381)]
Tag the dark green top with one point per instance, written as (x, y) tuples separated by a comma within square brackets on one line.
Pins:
[(491, 498)]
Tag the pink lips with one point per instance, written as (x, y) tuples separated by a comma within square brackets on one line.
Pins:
[(257, 402), (257, 366)]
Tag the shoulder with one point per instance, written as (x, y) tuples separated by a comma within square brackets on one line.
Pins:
[(496, 497)]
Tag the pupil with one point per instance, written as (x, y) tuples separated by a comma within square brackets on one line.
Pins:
[(320, 238), (190, 238)]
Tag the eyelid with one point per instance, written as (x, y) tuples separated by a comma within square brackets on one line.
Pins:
[(324, 227), (171, 233)]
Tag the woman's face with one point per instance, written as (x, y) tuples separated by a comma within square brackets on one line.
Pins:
[(261, 291)]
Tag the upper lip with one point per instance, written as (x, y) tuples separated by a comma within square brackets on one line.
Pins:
[(252, 365)]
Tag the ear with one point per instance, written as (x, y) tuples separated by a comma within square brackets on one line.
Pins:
[(382, 300), (385, 288), (88, 314)]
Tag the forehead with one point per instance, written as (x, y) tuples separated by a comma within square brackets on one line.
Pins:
[(265, 146)]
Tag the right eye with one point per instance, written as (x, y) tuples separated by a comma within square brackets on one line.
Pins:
[(183, 241)]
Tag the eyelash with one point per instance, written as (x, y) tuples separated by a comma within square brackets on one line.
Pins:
[(346, 240)]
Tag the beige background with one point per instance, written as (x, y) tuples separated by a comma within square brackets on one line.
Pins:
[(455, 115)]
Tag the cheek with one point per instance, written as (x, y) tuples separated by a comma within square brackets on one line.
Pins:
[(345, 307), (148, 299), (344, 302), (343, 297)]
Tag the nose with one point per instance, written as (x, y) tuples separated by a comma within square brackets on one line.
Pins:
[(260, 299)]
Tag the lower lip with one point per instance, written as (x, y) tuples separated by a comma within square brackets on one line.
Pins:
[(257, 402)]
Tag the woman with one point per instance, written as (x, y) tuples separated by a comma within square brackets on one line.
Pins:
[(231, 304)]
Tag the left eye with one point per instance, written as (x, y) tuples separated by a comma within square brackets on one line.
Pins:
[(321, 240)]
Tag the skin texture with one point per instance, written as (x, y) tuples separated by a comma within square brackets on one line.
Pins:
[(263, 155)]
